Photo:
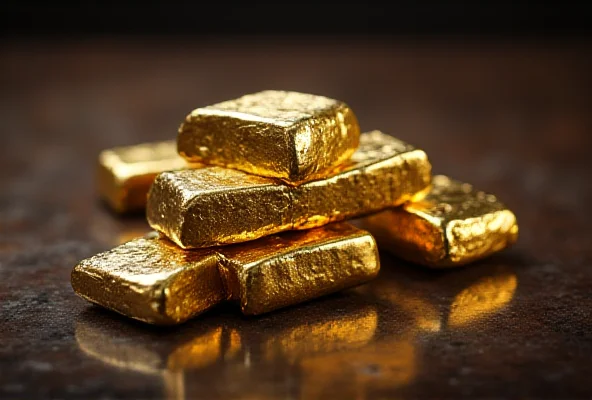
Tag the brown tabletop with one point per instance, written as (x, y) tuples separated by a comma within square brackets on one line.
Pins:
[(513, 119)]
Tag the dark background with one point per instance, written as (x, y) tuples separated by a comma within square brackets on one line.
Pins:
[(498, 95), (419, 18)]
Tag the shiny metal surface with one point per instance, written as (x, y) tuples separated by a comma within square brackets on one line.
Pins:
[(512, 119), (289, 268), (152, 280), (453, 225), (211, 206), (124, 174), (273, 133), (374, 342)]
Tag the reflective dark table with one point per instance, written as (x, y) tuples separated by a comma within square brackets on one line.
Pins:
[(513, 119)]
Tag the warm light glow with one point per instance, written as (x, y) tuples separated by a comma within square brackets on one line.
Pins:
[(481, 299), (351, 374), (337, 333)]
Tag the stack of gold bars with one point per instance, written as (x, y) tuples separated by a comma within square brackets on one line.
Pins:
[(249, 205)]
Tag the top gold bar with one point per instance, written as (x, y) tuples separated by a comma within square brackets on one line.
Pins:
[(277, 134)]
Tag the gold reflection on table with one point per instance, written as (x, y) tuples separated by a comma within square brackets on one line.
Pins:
[(98, 343), (329, 335), (484, 297), (478, 300), (105, 345), (332, 351), (351, 374), (198, 353), (425, 315)]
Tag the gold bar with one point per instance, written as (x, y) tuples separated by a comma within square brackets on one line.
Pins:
[(212, 206), (273, 133), (294, 267), (453, 225), (152, 280), (125, 173)]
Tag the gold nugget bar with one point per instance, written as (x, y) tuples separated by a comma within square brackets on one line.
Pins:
[(453, 225), (281, 270), (213, 205), (152, 280), (126, 173), (278, 134)]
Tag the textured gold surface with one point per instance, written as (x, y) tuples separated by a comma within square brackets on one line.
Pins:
[(152, 280), (213, 205), (293, 267), (453, 225), (126, 173), (279, 134)]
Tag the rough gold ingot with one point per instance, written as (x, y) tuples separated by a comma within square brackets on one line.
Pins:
[(453, 225), (213, 205), (152, 280), (273, 133), (126, 173), (281, 270)]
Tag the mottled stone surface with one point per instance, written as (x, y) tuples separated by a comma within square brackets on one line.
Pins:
[(514, 121)]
